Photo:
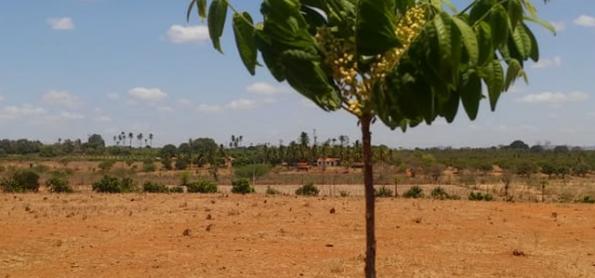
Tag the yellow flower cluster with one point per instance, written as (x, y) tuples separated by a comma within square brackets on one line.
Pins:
[(408, 28), (340, 57)]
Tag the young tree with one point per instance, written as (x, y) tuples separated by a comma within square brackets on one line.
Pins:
[(400, 62)]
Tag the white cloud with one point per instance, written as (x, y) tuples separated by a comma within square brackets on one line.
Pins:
[(241, 104), (184, 102), (559, 25), (61, 23), (61, 98), (1, 98), (187, 34), (71, 116), (205, 108), (263, 88), (103, 119), (555, 97), (25, 110), (113, 96), (548, 63), (585, 21), (147, 94), (165, 109)]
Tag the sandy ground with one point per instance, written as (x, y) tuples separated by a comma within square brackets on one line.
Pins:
[(136, 235)]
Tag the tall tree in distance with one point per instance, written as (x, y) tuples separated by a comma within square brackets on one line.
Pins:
[(400, 62), (130, 136)]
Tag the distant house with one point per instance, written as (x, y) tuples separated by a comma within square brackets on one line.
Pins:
[(327, 162), (302, 166)]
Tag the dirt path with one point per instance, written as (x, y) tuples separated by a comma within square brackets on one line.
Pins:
[(92, 235)]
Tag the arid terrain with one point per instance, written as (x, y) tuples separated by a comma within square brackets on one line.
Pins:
[(191, 235)]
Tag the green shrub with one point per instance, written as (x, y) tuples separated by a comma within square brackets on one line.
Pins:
[(241, 186), (149, 166), (343, 193), (478, 196), (202, 186), (588, 200), (414, 192), (106, 165), (167, 163), (439, 193), (113, 185), (308, 189), (176, 189), (59, 184), (384, 192), (272, 191), (185, 178), (21, 181), (181, 163), (152, 187)]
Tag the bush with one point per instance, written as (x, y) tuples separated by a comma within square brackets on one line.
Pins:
[(112, 185), (414, 192), (308, 189), (343, 193), (439, 193), (21, 181), (241, 186), (59, 184), (181, 163), (152, 187), (202, 186), (167, 163), (478, 196), (149, 166), (272, 191), (588, 200), (106, 165), (384, 192), (176, 189)]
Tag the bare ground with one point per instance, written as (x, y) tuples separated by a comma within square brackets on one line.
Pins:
[(137, 235)]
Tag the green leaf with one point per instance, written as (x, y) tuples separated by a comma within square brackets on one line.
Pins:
[(522, 42), (485, 41), (493, 76), (202, 8), (515, 11), (375, 27), (189, 10), (534, 53), (470, 92), (216, 22), (545, 24), (308, 78), (244, 35), (499, 23), (469, 39), (514, 68), (443, 32)]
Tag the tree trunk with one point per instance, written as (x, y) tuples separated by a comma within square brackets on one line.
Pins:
[(365, 122)]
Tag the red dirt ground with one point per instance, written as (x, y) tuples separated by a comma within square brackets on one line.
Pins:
[(136, 235)]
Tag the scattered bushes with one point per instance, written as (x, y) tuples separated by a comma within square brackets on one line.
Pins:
[(272, 191), (414, 192), (308, 189), (439, 193), (478, 196), (384, 192), (181, 163), (59, 184), (114, 185), (21, 181), (176, 189), (241, 186), (202, 186), (152, 187)]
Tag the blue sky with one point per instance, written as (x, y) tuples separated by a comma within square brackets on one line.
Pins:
[(69, 68)]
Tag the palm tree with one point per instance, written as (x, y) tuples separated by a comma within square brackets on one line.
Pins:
[(139, 137), (130, 136), (151, 139)]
